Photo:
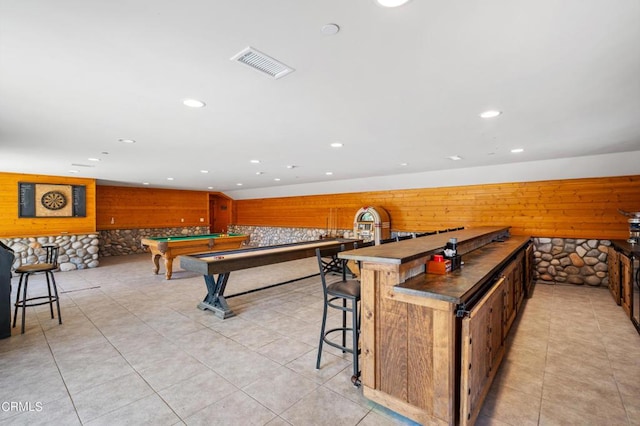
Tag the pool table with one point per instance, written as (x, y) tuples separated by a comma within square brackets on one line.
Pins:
[(170, 247)]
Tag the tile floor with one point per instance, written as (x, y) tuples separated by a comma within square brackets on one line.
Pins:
[(133, 349)]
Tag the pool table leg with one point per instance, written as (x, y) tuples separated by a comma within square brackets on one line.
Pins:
[(168, 266), (155, 258)]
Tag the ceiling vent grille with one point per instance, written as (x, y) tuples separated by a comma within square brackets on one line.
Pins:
[(261, 62)]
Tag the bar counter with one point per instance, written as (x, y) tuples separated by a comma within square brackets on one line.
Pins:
[(460, 286), (406, 251), (627, 248), (416, 329)]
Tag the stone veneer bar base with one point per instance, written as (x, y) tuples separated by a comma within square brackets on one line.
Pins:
[(571, 261)]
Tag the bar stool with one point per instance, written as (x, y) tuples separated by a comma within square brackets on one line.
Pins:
[(48, 266), (354, 266), (341, 291), (389, 240)]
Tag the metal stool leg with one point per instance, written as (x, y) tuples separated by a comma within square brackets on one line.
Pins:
[(356, 334), (55, 290), (15, 310), (344, 324), (46, 274), (24, 301), (322, 328)]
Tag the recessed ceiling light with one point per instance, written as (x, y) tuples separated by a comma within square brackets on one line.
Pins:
[(291, 166), (255, 161), (259, 173), (93, 159), (455, 157), (404, 164), (391, 3), (193, 103), (238, 184), (73, 171), (490, 113), (145, 183), (517, 150), (330, 29), (277, 179), (169, 178), (209, 187), (328, 173), (204, 171), (336, 145), (126, 140)]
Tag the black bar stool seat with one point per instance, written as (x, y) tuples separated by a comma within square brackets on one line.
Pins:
[(47, 267), (336, 295)]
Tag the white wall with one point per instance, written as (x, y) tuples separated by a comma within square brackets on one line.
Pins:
[(618, 164)]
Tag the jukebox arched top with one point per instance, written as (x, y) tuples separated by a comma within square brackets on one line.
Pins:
[(372, 223)]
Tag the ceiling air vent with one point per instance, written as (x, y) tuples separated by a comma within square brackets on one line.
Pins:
[(261, 62)]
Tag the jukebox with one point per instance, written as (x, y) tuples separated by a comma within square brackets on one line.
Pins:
[(372, 224)]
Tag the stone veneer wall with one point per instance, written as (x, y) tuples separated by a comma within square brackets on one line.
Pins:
[(269, 236), (119, 242), (557, 260), (76, 251), (571, 261)]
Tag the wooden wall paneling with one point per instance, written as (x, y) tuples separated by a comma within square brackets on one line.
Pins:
[(130, 208), (12, 226), (573, 208)]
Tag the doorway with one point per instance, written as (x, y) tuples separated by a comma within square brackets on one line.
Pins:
[(220, 209)]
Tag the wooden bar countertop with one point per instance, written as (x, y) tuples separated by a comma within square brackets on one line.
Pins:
[(626, 247), (407, 250), (479, 266)]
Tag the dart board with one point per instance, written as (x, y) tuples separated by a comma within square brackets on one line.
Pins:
[(53, 200)]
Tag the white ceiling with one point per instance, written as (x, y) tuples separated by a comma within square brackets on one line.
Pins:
[(395, 86)]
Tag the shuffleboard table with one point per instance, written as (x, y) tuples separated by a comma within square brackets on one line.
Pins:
[(170, 247), (222, 263)]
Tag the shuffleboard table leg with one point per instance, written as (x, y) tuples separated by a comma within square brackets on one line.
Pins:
[(214, 300)]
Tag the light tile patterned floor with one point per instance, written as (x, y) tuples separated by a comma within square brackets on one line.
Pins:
[(133, 349)]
